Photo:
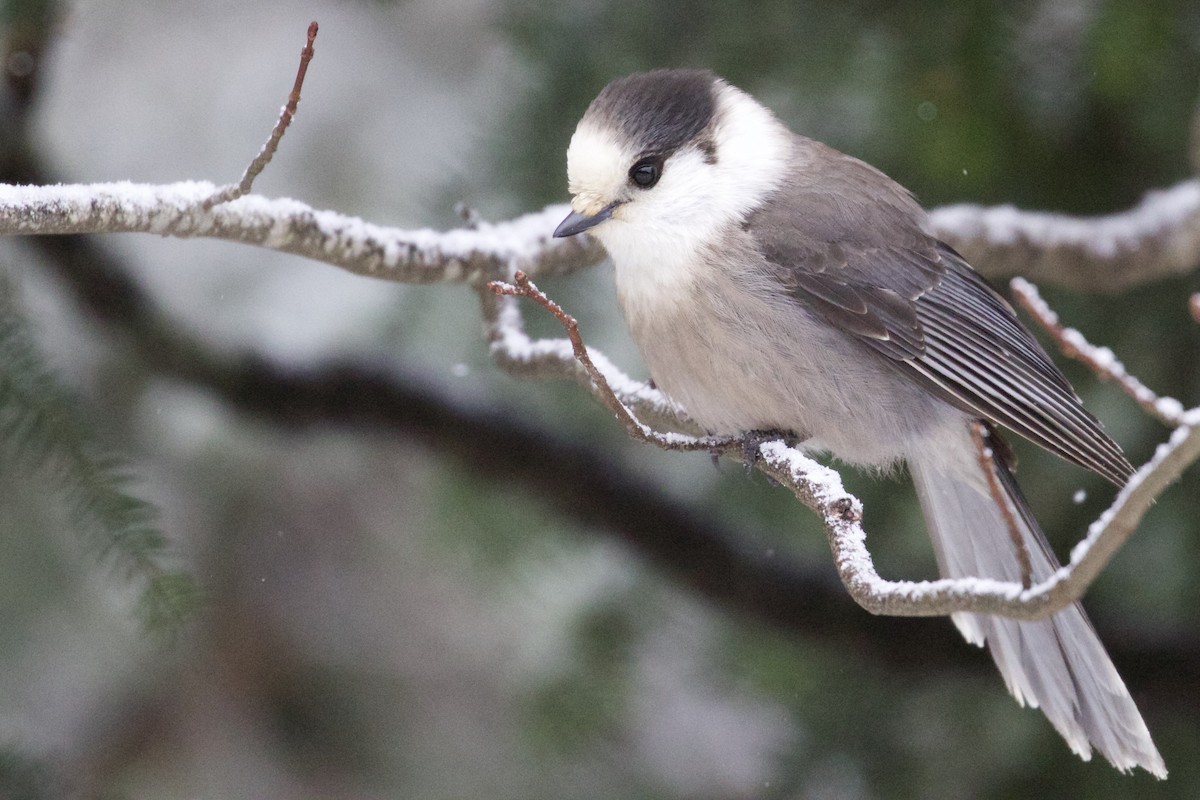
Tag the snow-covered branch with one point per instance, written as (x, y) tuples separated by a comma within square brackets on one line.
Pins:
[(1099, 360), (177, 209), (1159, 236), (820, 488)]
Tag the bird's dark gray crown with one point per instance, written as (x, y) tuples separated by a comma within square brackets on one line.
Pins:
[(659, 111)]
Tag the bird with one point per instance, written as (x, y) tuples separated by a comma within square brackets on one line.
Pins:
[(773, 283)]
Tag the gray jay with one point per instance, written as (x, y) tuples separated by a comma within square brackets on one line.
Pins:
[(773, 283)]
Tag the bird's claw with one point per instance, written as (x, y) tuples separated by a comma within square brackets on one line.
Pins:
[(751, 442)]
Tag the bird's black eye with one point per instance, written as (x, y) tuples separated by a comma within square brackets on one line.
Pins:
[(646, 172)]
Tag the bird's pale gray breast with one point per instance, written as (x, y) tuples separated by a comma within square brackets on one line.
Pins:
[(742, 354)]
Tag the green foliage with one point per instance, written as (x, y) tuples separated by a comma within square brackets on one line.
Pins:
[(44, 435), (169, 599)]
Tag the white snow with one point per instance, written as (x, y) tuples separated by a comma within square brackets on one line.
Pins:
[(176, 208), (1103, 237), (1170, 408), (1178, 438)]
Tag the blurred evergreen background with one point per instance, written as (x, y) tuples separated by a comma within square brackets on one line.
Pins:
[(378, 620)]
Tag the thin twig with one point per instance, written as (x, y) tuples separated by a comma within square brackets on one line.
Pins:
[(979, 434), (264, 156), (1099, 360), (523, 287)]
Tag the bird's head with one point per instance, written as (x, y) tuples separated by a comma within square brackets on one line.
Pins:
[(670, 155)]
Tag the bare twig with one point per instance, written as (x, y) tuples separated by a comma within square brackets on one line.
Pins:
[(1099, 360), (519, 355), (523, 287), (264, 156), (979, 434)]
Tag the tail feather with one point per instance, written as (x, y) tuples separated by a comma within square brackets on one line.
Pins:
[(1057, 664)]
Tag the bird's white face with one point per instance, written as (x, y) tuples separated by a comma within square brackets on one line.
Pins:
[(658, 212)]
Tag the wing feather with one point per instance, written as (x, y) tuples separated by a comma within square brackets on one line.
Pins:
[(924, 308)]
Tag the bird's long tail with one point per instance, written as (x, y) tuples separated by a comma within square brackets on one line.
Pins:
[(1056, 664)]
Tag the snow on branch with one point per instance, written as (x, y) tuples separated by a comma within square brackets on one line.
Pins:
[(1160, 236), (1157, 238), (194, 209), (820, 488), (289, 226), (1099, 360), (1101, 251)]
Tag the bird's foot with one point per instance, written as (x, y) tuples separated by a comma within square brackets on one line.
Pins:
[(751, 442)]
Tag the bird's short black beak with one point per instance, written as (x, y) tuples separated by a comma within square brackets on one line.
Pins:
[(578, 222)]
